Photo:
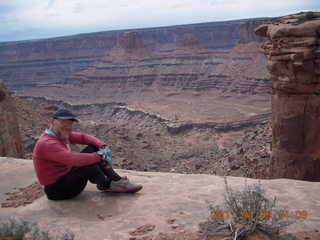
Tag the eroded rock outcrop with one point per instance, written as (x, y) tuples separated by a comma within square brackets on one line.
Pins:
[(130, 45), (130, 40), (10, 140), (294, 65), (190, 40), (190, 46)]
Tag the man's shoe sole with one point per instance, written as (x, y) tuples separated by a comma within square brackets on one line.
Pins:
[(131, 190)]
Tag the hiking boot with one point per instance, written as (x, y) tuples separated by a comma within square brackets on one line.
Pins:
[(124, 186)]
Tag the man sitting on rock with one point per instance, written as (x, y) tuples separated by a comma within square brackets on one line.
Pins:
[(65, 173)]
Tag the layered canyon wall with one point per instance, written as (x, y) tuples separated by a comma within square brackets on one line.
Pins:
[(293, 54), (134, 70), (26, 63), (10, 140), (192, 83)]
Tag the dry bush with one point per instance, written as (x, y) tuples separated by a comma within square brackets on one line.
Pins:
[(245, 212), (25, 230)]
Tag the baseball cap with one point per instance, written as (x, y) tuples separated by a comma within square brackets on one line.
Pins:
[(64, 114)]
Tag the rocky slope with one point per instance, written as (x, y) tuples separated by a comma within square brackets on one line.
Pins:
[(10, 140), (145, 142), (293, 64)]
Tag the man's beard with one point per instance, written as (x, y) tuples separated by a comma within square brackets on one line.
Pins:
[(64, 135)]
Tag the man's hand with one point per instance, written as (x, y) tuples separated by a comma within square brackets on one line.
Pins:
[(106, 150), (105, 154)]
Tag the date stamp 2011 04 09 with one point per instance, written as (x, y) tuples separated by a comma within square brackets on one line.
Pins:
[(268, 214)]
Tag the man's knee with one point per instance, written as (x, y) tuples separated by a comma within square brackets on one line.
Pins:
[(94, 167)]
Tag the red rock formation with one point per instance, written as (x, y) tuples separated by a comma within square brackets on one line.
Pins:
[(191, 46), (190, 40), (293, 63), (10, 141), (130, 45), (130, 40)]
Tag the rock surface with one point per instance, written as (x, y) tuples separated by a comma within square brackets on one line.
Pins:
[(168, 205), (10, 140), (293, 63)]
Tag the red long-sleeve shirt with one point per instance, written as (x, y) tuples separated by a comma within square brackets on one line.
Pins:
[(52, 159)]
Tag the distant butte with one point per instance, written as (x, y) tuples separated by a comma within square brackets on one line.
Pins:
[(129, 46), (191, 46)]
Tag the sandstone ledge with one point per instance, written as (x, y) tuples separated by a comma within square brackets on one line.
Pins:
[(165, 198)]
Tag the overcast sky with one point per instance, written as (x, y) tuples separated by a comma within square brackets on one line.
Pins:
[(32, 19)]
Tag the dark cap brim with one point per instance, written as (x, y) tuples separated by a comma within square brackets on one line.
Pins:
[(67, 118)]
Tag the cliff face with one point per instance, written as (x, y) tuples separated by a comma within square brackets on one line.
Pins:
[(247, 33), (293, 63), (10, 140), (26, 63), (133, 68)]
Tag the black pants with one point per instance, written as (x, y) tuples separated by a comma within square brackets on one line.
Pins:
[(74, 182)]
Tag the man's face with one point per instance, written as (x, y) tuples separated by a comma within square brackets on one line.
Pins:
[(62, 128)]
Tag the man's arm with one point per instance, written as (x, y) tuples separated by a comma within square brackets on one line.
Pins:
[(55, 151)]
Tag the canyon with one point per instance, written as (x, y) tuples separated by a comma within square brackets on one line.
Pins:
[(191, 83), (194, 110), (183, 104), (25, 63), (207, 97)]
